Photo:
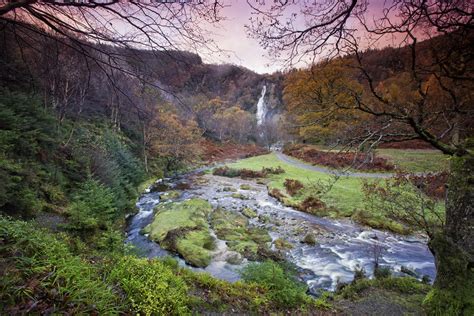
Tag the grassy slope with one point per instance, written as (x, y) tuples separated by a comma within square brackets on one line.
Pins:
[(346, 194), (416, 160), (408, 160)]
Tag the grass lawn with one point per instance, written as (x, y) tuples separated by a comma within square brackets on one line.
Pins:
[(416, 160), (346, 195), (409, 160)]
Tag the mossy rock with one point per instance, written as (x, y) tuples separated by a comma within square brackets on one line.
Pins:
[(282, 244), (229, 189), (195, 247), (159, 187), (239, 196), (235, 258), (309, 239), (170, 195), (245, 187), (182, 227), (263, 218), (248, 212), (234, 229)]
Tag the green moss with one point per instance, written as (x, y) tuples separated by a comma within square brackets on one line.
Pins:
[(245, 187), (170, 195), (152, 288), (239, 236), (239, 196), (309, 239), (282, 244), (248, 212), (195, 247), (229, 189), (183, 227), (454, 285)]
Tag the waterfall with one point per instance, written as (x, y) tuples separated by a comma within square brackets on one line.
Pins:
[(261, 107)]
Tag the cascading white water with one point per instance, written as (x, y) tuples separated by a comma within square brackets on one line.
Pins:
[(261, 107)]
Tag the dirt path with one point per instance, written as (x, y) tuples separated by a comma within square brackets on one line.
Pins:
[(302, 165)]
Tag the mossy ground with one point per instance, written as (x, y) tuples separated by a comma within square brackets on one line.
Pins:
[(240, 237), (384, 296), (170, 195)]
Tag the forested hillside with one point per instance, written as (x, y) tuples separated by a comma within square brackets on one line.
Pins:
[(86, 127)]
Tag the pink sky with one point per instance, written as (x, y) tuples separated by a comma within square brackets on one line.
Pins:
[(231, 36)]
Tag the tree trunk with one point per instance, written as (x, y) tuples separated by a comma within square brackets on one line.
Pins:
[(453, 292)]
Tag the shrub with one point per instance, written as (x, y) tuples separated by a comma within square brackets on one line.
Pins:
[(43, 273), (359, 273), (277, 194), (246, 173), (283, 287), (271, 170), (311, 205), (359, 160), (226, 172), (293, 186), (92, 207), (151, 286), (382, 272), (282, 244)]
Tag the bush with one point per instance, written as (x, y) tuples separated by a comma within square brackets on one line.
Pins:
[(44, 277), (283, 287), (92, 207), (151, 286), (277, 194), (246, 173), (311, 205), (293, 186), (359, 273), (382, 272), (271, 170)]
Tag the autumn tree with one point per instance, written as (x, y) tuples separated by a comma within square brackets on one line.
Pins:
[(428, 100), (173, 139), (233, 123), (314, 96)]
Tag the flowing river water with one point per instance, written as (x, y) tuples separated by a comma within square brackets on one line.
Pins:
[(342, 246)]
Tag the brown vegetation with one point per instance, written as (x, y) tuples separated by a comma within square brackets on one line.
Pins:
[(277, 194), (311, 205), (212, 152), (246, 173), (293, 186), (431, 184), (360, 161), (407, 144)]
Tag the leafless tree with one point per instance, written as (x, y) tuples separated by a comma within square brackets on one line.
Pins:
[(438, 36)]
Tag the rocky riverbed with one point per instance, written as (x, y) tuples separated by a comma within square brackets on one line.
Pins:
[(326, 251)]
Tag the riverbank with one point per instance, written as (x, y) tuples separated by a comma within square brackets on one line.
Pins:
[(339, 246), (342, 196)]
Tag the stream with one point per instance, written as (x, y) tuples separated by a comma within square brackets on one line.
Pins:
[(342, 246)]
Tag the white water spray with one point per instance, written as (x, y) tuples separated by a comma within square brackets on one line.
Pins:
[(261, 107)]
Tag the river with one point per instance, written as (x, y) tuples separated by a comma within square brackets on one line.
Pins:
[(341, 246)]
